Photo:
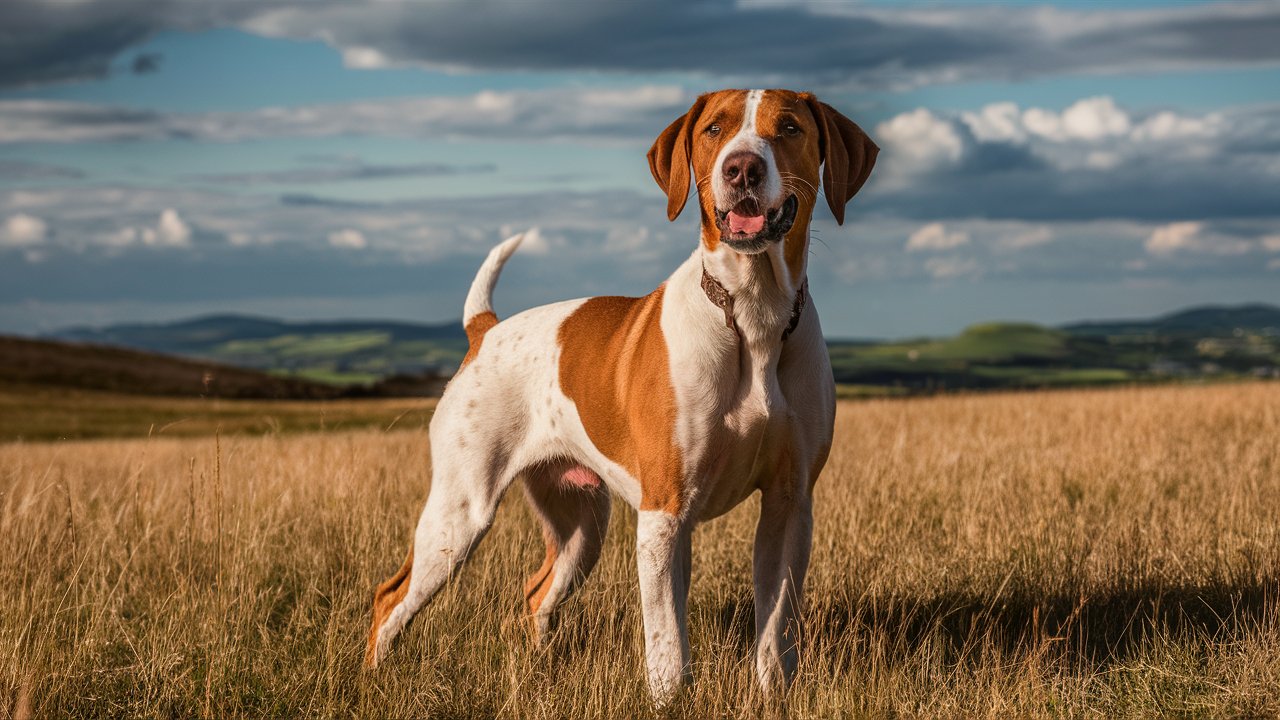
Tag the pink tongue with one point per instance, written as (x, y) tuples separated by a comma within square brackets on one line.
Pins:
[(745, 224)]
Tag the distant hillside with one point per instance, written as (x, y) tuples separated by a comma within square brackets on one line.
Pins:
[(1208, 321), (395, 358), (46, 363), (989, 355), (198, 334), (350, 352)]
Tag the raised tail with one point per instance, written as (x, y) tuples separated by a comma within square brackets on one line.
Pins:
[(480, 297), (477, 315)]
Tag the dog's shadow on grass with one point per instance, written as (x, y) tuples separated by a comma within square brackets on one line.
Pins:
[(1098, 629)]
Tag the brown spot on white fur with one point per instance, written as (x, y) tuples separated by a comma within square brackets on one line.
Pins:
[(385, 599), (614, 367), (476, 329)]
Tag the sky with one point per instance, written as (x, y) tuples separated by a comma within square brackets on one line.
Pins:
[(1043, 162)]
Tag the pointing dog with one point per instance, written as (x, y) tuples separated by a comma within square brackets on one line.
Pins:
[(683, 402)]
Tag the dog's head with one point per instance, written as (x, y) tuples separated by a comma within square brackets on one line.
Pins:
[(756, 156)]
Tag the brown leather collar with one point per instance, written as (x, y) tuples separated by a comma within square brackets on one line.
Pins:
[(721, 298)]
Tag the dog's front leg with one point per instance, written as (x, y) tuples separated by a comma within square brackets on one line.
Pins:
[(663, 549), (783, 537)]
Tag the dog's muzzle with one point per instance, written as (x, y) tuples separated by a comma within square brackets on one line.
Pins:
[(747, 231)]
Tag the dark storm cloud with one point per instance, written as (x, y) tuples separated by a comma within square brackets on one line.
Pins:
[(822, 43), (43, 42), (146, 63), (830, 43)]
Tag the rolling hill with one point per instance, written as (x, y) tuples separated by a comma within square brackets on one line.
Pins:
[(45, 363), (1208, 321), (405, 357), (352, 352)]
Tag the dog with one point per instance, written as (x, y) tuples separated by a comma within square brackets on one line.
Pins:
[(683, 402)]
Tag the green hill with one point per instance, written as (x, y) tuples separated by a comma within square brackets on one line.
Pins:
[(983, 356)]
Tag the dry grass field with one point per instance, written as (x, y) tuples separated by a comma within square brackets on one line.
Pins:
[(1108, 553)]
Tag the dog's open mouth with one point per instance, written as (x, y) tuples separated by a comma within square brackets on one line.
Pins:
[(748, 230)]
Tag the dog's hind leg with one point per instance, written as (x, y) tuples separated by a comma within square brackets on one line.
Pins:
[(459, 510), (574, 508)]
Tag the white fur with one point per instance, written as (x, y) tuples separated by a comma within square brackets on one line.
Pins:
[(752, 414), (663, 563), (479, 298)]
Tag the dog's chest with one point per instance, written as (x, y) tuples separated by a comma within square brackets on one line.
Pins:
[(751, 444)]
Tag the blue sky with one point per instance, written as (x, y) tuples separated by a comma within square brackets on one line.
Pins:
[(1042, 162)]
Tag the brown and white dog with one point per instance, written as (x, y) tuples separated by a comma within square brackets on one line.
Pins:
[(682, 402)]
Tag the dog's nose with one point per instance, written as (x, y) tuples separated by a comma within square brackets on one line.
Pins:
[(744, 170)]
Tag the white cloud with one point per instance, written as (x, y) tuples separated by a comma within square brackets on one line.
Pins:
[(1168, 125), (1193, 237), (348, 238), (1173, 237), (1095, 118), (22, 230), (935, 236), (943, 268), (123, 237), (1089, 120), (997, 122), (364, 58), (1030, 237), (170, 231), (919, 140), (1003, 162), (1271, 243)]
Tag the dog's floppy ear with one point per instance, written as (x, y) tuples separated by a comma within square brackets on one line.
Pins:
[(670, 155), (848, 155)]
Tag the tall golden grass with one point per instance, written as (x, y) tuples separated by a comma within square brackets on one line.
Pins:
[(1086, 553)]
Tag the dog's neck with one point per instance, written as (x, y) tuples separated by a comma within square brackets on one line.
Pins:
[(764, 289)]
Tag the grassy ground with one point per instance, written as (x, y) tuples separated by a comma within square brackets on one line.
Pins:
[(1072, 554), (51, 413)]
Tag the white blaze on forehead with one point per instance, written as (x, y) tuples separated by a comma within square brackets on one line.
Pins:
[(749, 114), (748, 139)]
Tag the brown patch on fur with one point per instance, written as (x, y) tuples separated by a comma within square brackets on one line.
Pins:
[(848, 155), (386, 598), (476, 329), (799, 161), (686, 143), (615, 368), (539, 584)]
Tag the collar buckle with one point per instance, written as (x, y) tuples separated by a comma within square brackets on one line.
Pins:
[(721, 298)]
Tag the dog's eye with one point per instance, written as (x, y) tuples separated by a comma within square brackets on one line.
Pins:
[(713, 130), (790, 129)]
